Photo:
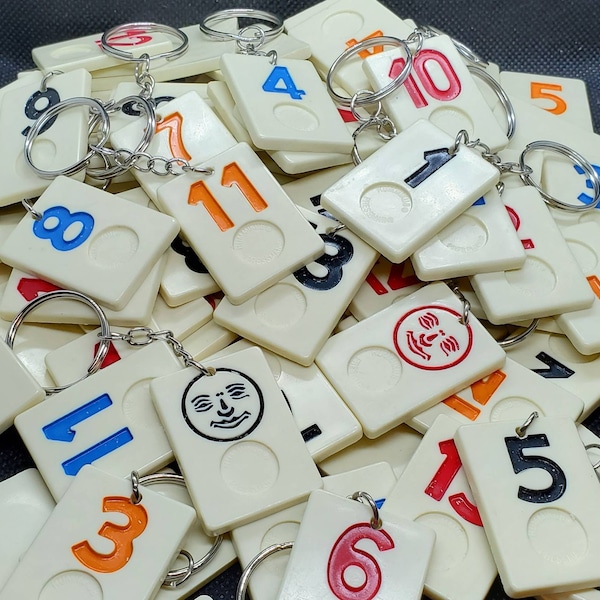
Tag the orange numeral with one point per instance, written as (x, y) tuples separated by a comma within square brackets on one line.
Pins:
[(173, 123), (539, 90), (482, 391), (232, 175), (366, 53), (121, 535), (595, 285)]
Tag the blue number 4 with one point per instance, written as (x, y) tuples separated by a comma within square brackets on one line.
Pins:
[(61, 430), (289, 87), (583, 197)]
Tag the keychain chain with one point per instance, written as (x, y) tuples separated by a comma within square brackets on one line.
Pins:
[(142, 336)]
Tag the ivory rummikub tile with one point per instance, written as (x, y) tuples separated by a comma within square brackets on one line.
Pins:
[(241, 224), (418, 343), (62, 142), (25, 504), (285, 106), (439, 88), (582, 327), (90, 241), (409, 190), (593, 594), (325, 562), (536, 493), (433, 490), (553, 357), (97, 543), (549, 283), (505, 394), (343, 24), (107, 419), (325, 422), (295, 316), (376, 479), (253, 459), (482, 239), (186, 128)]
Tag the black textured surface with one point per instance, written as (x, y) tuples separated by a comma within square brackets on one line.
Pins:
[(538, 36)]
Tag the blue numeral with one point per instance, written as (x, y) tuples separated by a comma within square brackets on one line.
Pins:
[(289, 87), (56, 233), (62, 430), (583, 197)]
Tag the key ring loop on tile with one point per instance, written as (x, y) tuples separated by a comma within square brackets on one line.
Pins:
[(176, 577), (97, 110), (512, 340), (146, 27), (367, 499), (374, 97), (103, 346), (209, 21), (430, 31), (240, 593), (511, 115), (148, 134), (595, 465), (578, 159)]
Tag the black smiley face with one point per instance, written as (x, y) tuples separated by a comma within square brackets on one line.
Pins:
[(223, 407)]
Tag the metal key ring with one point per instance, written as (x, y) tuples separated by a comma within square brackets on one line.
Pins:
[(36, 128), (578, 159), (176, 577), (516, 338), (148, 134), (208, 22), (240, 593), (511, 115), (146, 27), (384, 91), (103, 345)]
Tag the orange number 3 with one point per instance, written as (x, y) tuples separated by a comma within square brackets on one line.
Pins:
[(122, 536)]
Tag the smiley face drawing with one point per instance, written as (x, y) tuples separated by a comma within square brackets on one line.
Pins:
[(223, 407), (432, 338)]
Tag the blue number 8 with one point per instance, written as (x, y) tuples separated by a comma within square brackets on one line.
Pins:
[(56, 234)]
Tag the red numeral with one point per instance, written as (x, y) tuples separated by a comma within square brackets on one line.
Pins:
[(232, 175), (122, 537), (345, 554), (31, 288), (133, 37), (396, 279), (423, 74), (174, 123), (516, 221), (444, 476), (367, 52), (112, 356)]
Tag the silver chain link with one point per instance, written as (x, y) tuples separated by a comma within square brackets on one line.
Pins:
[(142, 336)]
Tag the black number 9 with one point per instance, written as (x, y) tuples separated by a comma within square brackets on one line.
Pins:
[(52, 98)]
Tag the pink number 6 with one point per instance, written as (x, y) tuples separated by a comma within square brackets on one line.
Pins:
[(345, 554)]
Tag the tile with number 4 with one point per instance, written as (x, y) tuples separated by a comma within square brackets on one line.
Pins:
[(241, 224), (89, 240)]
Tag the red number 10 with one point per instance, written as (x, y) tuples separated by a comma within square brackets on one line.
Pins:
[(420, 69)]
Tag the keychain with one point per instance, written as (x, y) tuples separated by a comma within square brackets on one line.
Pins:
[(328, 559), (536, 492)]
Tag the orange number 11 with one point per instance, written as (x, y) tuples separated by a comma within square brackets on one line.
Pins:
[(232, 175)]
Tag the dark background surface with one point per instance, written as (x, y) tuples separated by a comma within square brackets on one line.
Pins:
[(547, 37)]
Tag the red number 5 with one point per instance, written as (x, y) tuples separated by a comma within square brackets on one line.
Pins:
[(345, 554)]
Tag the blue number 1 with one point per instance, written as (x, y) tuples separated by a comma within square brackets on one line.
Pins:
[(61, 430), (583, 197), (56, 233), (289, 87)]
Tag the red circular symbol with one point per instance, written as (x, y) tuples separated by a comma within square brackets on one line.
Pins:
[(432, 338)]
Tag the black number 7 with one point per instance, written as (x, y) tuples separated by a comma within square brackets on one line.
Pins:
[(520, 462)]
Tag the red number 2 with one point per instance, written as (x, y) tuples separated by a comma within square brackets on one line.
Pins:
[(345, 554)]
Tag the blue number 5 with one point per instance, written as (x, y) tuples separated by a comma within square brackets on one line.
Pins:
[(289, 87), (65, 219)]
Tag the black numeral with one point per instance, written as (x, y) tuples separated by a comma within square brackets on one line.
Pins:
[(32, 110), (555, 370), (434, 160), (192, 262)]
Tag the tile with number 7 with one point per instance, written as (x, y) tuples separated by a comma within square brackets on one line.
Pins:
[(90, 241)]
